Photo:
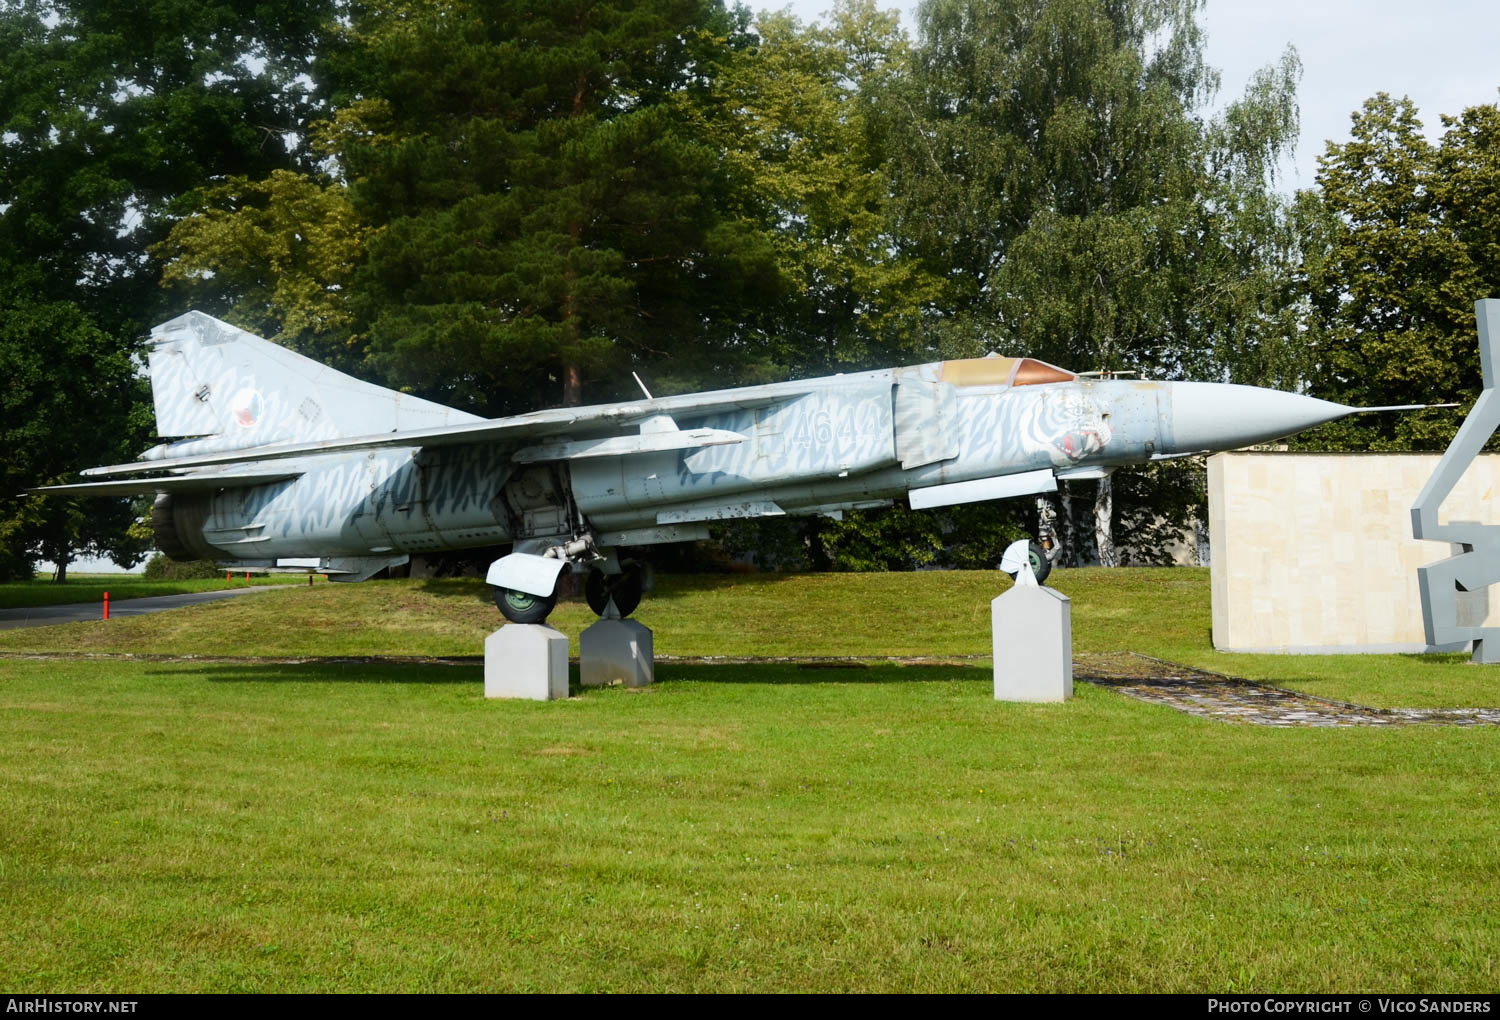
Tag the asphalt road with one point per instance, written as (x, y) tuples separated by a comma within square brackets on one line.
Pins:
[(42, 616)]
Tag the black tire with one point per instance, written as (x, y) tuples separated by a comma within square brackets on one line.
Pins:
[(1041, 566), (524, 607), (625, 588)]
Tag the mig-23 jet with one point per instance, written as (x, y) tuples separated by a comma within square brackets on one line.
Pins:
[(272, 457)]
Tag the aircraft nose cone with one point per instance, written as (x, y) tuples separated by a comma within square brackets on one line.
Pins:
[(1225, 416)]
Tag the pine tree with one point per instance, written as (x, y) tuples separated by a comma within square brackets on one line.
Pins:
[(543, 215)]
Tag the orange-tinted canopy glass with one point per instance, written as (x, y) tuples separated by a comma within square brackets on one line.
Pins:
[(1030, 372), (1003, 372)]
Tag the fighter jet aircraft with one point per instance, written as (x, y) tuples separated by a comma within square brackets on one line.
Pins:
[(273, 457)]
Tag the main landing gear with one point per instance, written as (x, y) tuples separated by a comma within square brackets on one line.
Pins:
[(624, 588)]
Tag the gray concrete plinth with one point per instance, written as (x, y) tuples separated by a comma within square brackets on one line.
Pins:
[(1032, 631), (616, 651), (526, 660)]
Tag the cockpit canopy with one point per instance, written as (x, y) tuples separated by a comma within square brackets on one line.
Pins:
[(1003, 372)]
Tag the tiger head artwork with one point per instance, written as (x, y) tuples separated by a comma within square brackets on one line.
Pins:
[(1067, 426)]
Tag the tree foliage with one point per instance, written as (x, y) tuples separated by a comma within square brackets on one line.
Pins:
[(71, 397), (1056, 169), (1408, 250), (275, 256), (110, 116), (539, 202), (803, 121)]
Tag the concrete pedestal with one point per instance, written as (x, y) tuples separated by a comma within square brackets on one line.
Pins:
[(1032, 629), (616, 651), (526, 660)]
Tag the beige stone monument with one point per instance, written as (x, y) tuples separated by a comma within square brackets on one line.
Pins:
[(1313, 553)]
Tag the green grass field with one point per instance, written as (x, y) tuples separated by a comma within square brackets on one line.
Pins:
[(91, 588), (1162, 612), (283, 826)]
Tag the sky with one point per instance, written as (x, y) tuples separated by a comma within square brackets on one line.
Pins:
[(1438, 52)]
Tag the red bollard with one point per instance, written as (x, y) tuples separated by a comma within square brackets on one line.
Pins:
[(309, 580), (106, 605), (229, 575), (247, 575)]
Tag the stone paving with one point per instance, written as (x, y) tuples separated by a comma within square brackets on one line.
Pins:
[(1231, 699)]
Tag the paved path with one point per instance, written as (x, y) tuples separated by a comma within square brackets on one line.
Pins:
[(43, 616), (1230, 699)]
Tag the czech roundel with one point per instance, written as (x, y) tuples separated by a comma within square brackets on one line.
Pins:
[(246, 407)]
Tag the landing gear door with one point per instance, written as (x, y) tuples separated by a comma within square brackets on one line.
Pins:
[(926, 417)]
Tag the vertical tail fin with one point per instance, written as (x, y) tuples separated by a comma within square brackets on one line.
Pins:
[(233, 389)]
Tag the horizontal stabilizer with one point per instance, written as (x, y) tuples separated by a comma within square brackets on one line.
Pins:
[(171, 483)]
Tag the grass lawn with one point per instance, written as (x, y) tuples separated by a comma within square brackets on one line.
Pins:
[(316, 827), (1162, 612), (91, 588), (225, 826)]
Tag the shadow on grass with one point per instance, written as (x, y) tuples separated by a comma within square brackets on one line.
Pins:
[(469, 588), (667, 675), (327, 673), (820, 673), (1440, 658)]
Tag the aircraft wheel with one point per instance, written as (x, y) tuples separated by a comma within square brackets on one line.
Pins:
[(625, 588), (1041, 566), (522, 606)]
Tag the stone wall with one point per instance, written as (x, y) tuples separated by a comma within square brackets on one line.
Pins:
[(1313, 552)]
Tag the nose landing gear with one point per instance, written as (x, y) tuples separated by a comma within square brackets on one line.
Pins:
[(1036, 555)]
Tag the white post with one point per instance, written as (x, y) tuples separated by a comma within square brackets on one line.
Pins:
[(1031, 630), (526, 660)]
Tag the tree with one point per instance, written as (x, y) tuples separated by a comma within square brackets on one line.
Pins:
[(1406, 257), (72, 397), (541, 212), (802, 123), (275, 256), (1055, 169), (109, 114)]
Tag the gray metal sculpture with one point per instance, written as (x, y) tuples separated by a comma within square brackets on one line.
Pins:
[(271, 456), (1477, 566)]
